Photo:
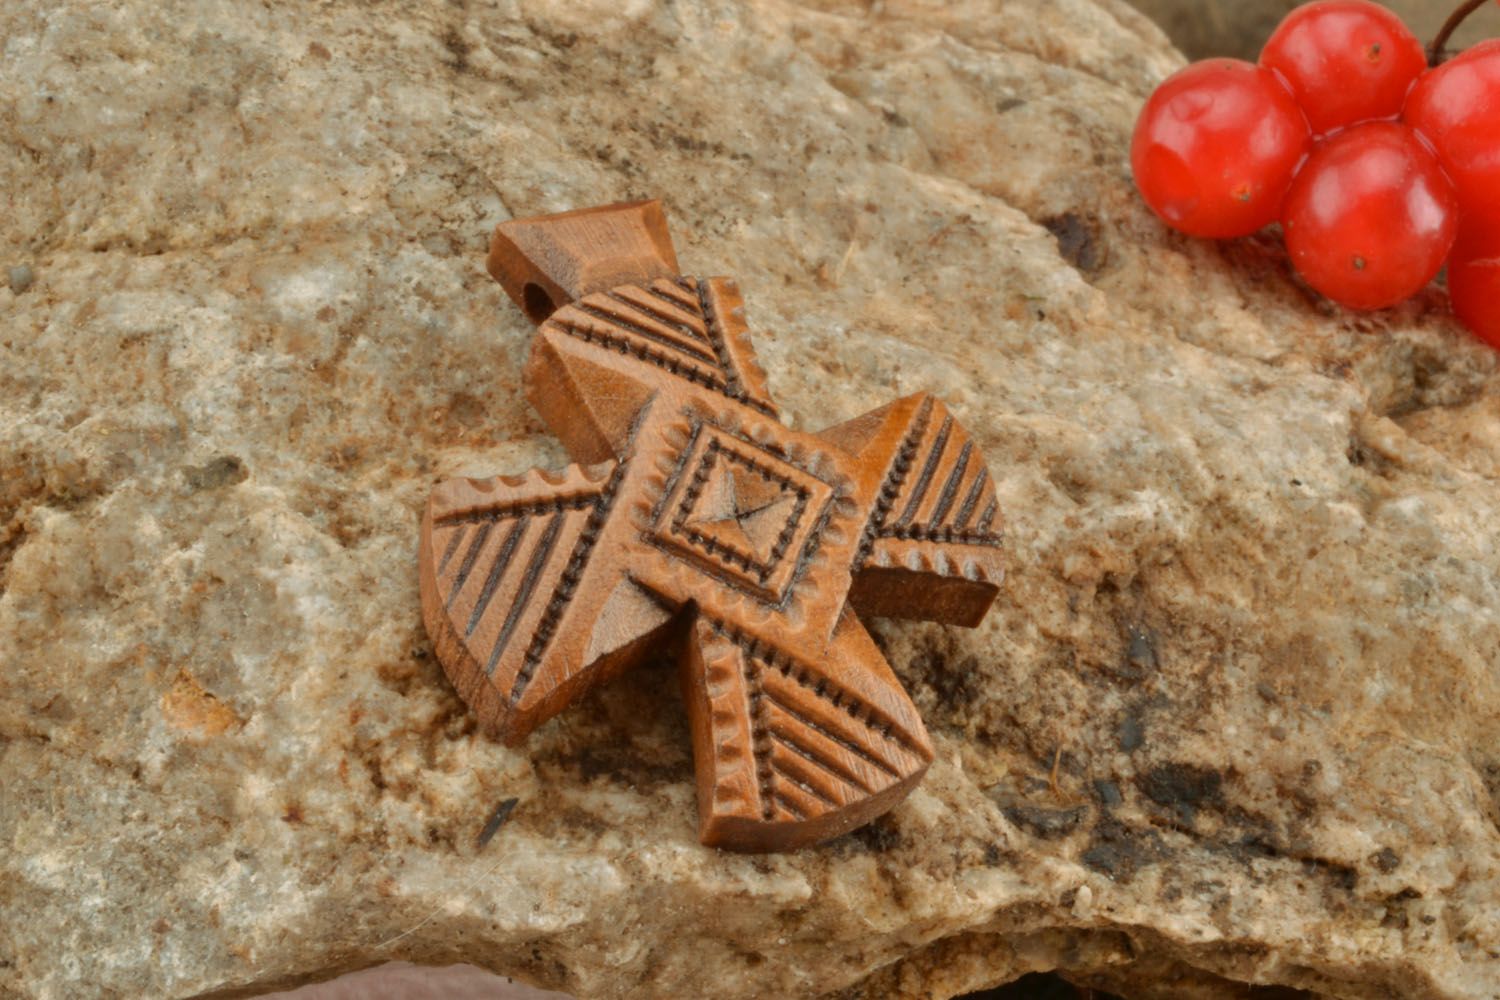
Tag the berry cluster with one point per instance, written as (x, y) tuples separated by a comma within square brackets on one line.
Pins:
[(1378, 168)]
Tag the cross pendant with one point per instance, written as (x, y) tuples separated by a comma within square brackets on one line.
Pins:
[(696, 521)]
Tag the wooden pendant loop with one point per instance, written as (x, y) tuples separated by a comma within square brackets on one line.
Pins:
[(550, 261)]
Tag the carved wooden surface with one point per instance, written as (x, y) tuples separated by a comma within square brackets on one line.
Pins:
[(695, 518)]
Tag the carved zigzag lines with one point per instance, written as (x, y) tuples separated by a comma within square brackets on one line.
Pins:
[(666, 302), (716, 335), (815, 751), (644, 316), (661, 324), (508, 570), (568, 580), (951, 499), (671, 325), (890, 489), (501, 511), (724, 323), (541, 553), (493, 568)]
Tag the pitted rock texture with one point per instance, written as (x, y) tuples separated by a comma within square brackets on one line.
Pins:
[(1234, 720)]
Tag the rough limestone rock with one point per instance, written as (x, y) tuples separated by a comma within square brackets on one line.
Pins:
[(1235, 718)]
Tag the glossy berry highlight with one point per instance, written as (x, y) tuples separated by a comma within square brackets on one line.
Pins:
[(1370, 217), (1216, 146), (1346, 62), (1457, 108)]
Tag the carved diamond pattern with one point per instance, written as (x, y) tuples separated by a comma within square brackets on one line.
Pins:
[(742, 513)]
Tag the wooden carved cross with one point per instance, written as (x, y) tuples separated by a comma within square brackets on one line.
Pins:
[(695, 517)]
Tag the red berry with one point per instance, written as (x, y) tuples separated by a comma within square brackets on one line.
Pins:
[(1474, 280), (1215, 148), (1371, 216), (1347, 61), (1457, 108)]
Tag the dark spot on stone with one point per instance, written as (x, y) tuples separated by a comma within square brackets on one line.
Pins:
[(1254, 846), (318, 51), (1385, 860), (374, 769), (1119, 851), (293, 813), (1489, 771), (895, 118), (497, 819), (74, 496), (11, 537), (343, 456), (243, 854), (878, 837), (458, 48), (1033, 785), (1342, 876), (1077, 241), (1009, 104), (1267, 692), (465, 411), (697, 145), (621, 764), (992, 854), (21, 276), (58, 708), (1358, 454), (1140, 651), (224, 470), (1045, 823), (1108, 792), (1182, 788), (1130, 733), (559, 39), (953, 683)]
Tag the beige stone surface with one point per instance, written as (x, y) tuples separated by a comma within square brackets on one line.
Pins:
[(1235, 718)]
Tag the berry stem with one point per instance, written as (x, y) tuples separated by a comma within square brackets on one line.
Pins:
[(1437, 52)]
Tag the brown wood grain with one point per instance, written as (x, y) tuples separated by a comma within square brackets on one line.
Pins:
[(696, 518)]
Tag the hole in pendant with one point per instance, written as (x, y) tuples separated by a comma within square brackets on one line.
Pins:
[(536, 302)]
